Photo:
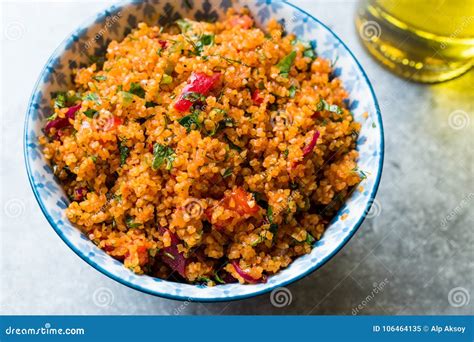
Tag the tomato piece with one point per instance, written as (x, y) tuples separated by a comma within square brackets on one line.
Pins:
[(111, 123), (257, 97), (240, 201), (199, 83), (142, 252)]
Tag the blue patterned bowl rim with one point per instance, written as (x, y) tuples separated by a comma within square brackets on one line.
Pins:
[(168, 295)]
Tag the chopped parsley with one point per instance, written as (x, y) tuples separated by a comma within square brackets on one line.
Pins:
[(232, 145), (124, 151), (150, 104), (225, 122), (99, 78), (292, 91), (218, 278), (309, 239), (92, 97), (285, 64), (274, 230), (162, 154), (127, 97), (153, 251), (60, 100), (270, 214), (136, 89), (184, 25), (228, 172), (130, 224), (204, 40), (191, 121), (323, 105), (63, 100), (194, 97), (166, 79), (90, 113), (362, 174)]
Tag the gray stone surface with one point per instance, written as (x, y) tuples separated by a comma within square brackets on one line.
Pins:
[(419, 243)]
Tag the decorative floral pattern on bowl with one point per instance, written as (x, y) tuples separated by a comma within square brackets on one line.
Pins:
[(114, 23)]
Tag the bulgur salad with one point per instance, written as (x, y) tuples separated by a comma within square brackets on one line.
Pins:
[(205, 152)]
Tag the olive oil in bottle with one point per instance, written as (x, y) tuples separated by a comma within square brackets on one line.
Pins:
[(422, 40)]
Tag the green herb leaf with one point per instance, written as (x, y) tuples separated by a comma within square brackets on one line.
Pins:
[(99, 78), (130, 224), (232, 145), (194, 97), (285, 64), (270, 214), (323, 105), (60, 100), (362, 174), (203, 280), (153, 251), (292, 91), (150, 104), (218, 278), (124, 152), (256, 242), (309, 53), (228, 172), (274, 230), (136, 89), (92, 97), (162, 154), (127, 97), (184, 25), (166, 79), (90, 113), (309, 239), (191, 121)]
